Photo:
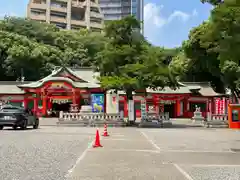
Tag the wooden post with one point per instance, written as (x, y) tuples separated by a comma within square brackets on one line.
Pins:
[(25, 102), (155, 103), (44, 104), (35, 105), (74, 101)]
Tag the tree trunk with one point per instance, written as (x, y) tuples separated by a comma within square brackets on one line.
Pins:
[(235, 96), (131, 117)]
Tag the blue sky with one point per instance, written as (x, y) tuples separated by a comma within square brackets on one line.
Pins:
[(166, 22)]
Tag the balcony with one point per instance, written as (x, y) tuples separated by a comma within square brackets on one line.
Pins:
[(96, 25), (58, 19), (79, 22), (59, 9), (37, 6), (93, 4), (38, 17), (96, 15), (78, 4)]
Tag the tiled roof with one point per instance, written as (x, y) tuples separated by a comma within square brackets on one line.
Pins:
[(167, 90), (10, 87), (86, 74), (204, 88)]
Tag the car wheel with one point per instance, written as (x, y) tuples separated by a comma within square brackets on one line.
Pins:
[(35, 126), (14, 127), (1, 127), (24, 126)]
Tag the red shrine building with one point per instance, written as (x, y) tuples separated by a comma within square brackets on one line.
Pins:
[(66, 87)]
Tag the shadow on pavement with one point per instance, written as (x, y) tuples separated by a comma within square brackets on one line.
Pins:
[(18, 129)]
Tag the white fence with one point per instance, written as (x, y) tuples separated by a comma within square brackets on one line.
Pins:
[(161, 117), (216, 120), (66, 116)]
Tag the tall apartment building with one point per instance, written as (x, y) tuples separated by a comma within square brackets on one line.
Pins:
[(67, 14), (117, 9)]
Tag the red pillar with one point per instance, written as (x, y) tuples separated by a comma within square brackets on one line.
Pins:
[(25, 102), (74, 100), (49, 103), (125, 107), (44, 105), (185, 107), (35, 105), (177, 108)]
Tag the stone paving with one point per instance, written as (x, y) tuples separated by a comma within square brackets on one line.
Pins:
[(59, 153), (162, 154)]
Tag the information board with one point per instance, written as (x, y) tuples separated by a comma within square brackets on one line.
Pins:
[(97, 102)]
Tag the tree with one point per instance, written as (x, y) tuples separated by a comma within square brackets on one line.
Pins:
[(198, 61), (212, 50), (180, 66), (26, 42), (225, 20), (39, 31), (213, 2), (19, 54), (128, 62)]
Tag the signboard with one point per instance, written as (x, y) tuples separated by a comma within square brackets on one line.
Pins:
[(61, 101), (143, 109), (58, 85), (167, 101), (97, 102)]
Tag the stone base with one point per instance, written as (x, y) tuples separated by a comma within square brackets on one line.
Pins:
[(167, 124), (149, 124), (216, 124), (87, 123)]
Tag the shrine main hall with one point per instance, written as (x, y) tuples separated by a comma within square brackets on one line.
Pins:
[(66, 87)]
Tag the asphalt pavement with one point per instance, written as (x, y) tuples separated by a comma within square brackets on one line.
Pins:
[(58, 153)]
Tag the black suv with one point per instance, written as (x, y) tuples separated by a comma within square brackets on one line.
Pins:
[(13, 116)]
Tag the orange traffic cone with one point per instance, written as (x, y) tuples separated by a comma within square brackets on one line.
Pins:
[(105, 133), (97, 140)]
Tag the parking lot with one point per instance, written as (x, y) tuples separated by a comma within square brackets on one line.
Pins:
[(52, 153)]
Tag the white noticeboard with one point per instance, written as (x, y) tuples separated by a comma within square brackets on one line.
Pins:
[(131, 110)]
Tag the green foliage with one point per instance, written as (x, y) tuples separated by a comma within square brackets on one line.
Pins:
[(213, 2), (128, 62), (212, 51), (35, 48), (125, 60)]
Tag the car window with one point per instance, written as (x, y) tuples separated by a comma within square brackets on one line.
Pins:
[(10, 108)]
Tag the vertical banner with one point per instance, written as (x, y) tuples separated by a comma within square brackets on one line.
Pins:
[(97, 102), (143, 109), (216, 106)]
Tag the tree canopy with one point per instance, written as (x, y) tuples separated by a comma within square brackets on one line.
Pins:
[(212, 51), (128, 62), (34, 48)]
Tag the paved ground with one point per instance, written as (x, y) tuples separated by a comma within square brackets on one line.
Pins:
[(162, 154), (56, 153)]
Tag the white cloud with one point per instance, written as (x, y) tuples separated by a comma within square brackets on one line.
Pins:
[(194, 13), (179, 14), (152, 14), (154, 20)]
